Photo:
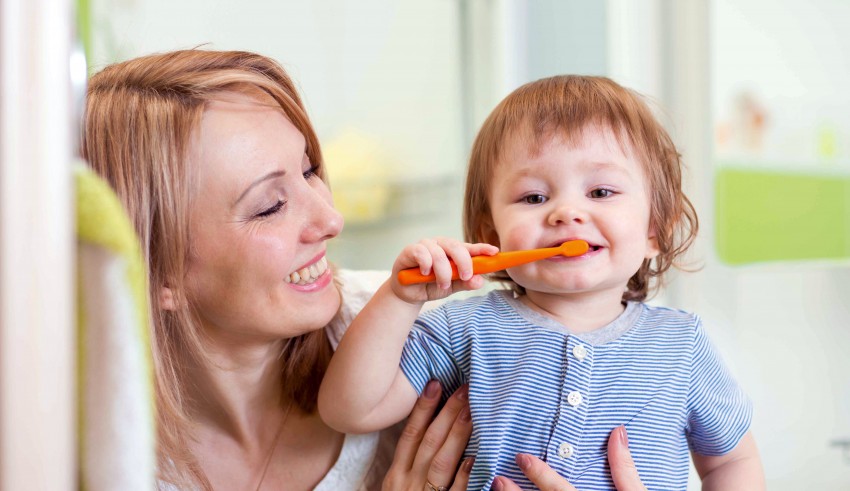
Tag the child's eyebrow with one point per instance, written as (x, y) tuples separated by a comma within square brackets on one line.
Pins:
[(596, 166)]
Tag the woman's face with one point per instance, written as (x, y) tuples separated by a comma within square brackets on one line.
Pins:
[(259, 222)]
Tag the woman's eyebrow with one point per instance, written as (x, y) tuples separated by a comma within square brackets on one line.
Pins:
[(270, 175)]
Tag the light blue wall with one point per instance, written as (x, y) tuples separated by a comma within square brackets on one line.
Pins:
[(566, 36)]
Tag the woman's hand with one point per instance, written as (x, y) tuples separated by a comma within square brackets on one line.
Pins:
[(623, 469), (437, 255), (429, 451)]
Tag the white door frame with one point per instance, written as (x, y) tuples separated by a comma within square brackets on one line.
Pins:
[(37, 337)]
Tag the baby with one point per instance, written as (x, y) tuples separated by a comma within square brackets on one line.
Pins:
[(570, 352)]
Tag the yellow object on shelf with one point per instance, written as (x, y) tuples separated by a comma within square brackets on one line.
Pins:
[(361, 176)]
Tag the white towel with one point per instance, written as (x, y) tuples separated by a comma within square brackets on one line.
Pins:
[(116, 406)]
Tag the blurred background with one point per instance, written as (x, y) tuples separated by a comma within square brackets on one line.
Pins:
[(753, 92)]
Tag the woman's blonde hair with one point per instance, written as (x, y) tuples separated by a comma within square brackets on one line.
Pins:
[(139, 120), (565, 106)]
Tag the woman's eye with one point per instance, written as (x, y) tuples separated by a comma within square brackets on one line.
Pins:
[(534, 199), (601, 193), (271, 210), (311, 172)]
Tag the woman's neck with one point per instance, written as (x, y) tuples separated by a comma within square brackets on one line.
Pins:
[(238, 388)]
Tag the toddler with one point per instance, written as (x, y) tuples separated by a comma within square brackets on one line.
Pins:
[(569, 352)]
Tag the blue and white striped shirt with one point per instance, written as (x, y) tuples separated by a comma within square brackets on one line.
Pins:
[(536, 388)]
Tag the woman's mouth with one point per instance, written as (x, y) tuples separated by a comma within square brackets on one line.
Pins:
[(308, 274)]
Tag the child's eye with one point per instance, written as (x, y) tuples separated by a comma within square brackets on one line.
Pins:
[(601, 193), (534, 199), (271, 210)]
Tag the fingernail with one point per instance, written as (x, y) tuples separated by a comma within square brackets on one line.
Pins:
[(465, 415), (498, 485), (432, 389), (622, 435), (463, 393), (467, 464), (523, 461)]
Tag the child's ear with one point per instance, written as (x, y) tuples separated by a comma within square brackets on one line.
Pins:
[(488, 232), (652, 249), (166, 299)]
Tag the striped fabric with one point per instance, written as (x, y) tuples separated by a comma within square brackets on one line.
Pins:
[(537, 389)]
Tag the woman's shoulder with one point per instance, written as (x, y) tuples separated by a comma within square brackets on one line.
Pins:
[(355, 289)]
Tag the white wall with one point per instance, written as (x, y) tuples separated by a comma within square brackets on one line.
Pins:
[(784, 325), (390, 70)]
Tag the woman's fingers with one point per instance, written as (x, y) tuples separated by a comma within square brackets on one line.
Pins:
[(431, 450), (541, 474), (538, 472), (623, 470), (417, 425), (462, 477), (444, 464), (439, 431)]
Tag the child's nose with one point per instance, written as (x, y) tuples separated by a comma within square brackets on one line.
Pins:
[(567, 213)]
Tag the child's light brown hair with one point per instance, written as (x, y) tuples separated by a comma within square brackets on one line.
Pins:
[(564, 106)]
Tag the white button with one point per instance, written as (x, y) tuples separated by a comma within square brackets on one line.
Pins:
[(566, 450), (579, 352), (574, 398)]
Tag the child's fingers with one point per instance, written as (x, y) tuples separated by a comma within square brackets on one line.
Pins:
[(460, 254), (482, 249), (441, 266), (415, 255)]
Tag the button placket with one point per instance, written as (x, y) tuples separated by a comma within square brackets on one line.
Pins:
[(568, 433)]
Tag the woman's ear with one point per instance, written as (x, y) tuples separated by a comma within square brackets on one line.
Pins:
[(166, 299)]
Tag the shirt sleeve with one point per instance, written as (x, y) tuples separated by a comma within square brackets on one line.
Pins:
[(719, 413), (429, 353)]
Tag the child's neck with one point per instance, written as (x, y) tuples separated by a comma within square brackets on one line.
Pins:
[(579, 312)]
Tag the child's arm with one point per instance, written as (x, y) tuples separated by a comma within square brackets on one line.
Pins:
[(738, 469), (364, 390)]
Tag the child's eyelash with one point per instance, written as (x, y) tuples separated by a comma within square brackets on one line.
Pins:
[(608, 192)]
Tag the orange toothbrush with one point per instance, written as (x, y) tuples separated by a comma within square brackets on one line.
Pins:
[(500, 261)]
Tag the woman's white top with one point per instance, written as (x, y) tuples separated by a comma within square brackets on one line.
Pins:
[(364, 459)]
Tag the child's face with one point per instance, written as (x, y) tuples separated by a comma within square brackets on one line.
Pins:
[(591, 191)]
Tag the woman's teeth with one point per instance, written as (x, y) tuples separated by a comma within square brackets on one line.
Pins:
[(305, 276)]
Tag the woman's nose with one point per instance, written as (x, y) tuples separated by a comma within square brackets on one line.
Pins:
[(324, 221)]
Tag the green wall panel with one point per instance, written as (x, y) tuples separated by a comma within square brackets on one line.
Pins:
[(775, 216)]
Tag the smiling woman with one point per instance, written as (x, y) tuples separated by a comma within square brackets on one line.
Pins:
[(218, 166)]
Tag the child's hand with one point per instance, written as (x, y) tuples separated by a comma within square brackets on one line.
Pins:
[(434, 254)]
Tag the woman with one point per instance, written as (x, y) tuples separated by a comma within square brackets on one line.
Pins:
[(219, 168)]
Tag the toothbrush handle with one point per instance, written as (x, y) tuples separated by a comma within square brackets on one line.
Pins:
[(480, 265), (498, 262)]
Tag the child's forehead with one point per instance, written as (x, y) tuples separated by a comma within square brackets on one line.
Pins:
[(525, 141)]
